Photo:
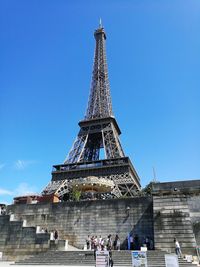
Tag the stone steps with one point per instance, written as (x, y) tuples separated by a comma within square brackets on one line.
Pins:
[(18, 241), (86, 258)]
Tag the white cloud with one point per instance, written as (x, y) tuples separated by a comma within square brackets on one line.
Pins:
[(5, 192), (22, 164), (2, 165), (24, 189)]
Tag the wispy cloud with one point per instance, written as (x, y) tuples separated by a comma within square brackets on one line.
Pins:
[(22, 164), (24, 189), (2, 165), (5, 192)]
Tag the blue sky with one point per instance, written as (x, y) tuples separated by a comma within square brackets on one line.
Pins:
[(46, 58)]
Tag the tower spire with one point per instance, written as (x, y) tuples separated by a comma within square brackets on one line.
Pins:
[(100, 23), (99, 104)]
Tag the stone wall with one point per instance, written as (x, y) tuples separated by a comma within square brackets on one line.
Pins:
[(18, 241), (194, 207), (174, 211), (75, 220), (177, 214)]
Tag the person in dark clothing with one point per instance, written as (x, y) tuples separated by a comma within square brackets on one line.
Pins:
[(136, 243), (115, 242), (55, 234), (95, 254), (110, 259), (88, 242)]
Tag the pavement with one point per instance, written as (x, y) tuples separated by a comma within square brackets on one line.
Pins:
[(10, 264)]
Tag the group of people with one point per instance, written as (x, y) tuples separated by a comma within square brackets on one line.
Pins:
[(99, 243), (95, 243), (53, 234), (133, 242), (110, 243)]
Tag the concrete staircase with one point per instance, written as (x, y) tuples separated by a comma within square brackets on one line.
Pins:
[(86, 258), (17, 241), (172, 219)]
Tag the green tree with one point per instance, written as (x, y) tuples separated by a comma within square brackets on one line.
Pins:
[(147, 191), (76, 194)]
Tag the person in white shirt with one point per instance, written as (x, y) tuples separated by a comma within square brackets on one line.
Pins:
[(177, 248)]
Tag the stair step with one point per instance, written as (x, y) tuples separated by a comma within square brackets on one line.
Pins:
[(86, 258)]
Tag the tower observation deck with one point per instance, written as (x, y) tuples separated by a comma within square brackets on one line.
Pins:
[(84, 169)]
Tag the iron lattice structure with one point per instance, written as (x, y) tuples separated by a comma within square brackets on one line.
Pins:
[(99, 131), (99, 104)]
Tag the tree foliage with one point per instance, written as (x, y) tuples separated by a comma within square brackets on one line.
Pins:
[(147, 190), (76, 194)]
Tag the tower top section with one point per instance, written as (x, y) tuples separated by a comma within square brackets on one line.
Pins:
[(99, 104), (100, 31)]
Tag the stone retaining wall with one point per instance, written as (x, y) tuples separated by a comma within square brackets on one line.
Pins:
[(17, 241), (76, 220), (177, 214)]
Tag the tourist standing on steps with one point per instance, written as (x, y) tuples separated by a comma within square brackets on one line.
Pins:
[(56, 235), (116, 243), (136, 245), (177, 248), (102, 244), (99, 242), (92, 242), (131, 242), (109, 242), (110, 259), (147, 242), (88, 242), (95, 242)]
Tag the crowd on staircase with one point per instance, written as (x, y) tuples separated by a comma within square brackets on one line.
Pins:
[(99, 243)]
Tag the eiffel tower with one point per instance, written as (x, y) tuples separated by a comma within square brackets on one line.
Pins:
[(99, 133)]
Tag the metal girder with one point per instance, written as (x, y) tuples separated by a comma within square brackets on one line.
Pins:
[(99, 104), (89, 142)]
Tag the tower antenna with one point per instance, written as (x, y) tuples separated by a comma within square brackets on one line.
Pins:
[(154, 175), (100, 23)]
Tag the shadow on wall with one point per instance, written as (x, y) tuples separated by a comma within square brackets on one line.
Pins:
[(141, 230), (196, 229)]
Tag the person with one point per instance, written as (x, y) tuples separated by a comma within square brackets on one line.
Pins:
[(136, 242), (95, 242), (116, 243), (147, 242), (88, 242), (151, 244), (99, 242), (55, 235), (109, 242), (92, 242), (95, 246), (102, 244), (177, 248), (131, 242), (110, 259)]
